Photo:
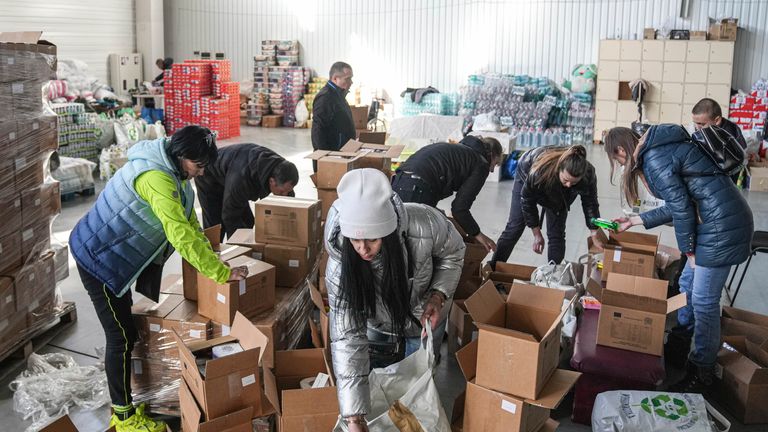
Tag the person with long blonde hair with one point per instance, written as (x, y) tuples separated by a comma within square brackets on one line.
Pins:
[(551, 177), (712, 220)]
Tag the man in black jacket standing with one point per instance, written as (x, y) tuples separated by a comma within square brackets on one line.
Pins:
[(332, 123), (242, 173), (438, 170)]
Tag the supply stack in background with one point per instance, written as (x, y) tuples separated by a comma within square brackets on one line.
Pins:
[(314, 86), (278, 84), (201, 92), (77, 131), (29, 197)]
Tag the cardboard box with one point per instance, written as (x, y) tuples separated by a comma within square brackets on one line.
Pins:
[(633, 312), (7, 296), (460, 326), (331, 166), (493, 411), (371, 137), (271, 121), (742, 379), (377, 156), (12, 328), (192, 419), (40, 203), (172, 284), (698, 35), (467, 286), (292, 264), (474, 254), (255, 294), (758, 179), (64, 424), (247, 238), (360, 116), (10, 252), (518, 339), (321, 337), (189, 273), (508, 273), (649, 33), (629, 253), (148, 317), (230, 383), (288, 221), (726, 29), (10, 213), (327, 197), (34, 236), (740, 322), (302, 410)]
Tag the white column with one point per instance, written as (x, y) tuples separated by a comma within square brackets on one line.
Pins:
[(150, 40)]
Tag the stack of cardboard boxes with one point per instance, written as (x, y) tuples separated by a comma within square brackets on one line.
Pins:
[(29, 198)]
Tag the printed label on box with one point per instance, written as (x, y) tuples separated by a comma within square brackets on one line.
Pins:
[(241, 285), (17, 88), (508, 406), (225, 330), (11, 60), (221, 298), (9, 299), (248, 380), (617, 255), (137, 369), (154, 327), (293, 263), (197, 334)]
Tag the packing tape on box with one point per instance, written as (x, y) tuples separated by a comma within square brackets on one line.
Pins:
[(241, 286), (221, 298), (196, 334), (617, 255), (154, 327)]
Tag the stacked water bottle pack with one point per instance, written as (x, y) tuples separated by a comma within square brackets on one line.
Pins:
[(77, 130)]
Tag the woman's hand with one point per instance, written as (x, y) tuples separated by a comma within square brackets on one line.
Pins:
[(538, 241), (238, 273), (489, 244), (356, 424), (432, 310), (626, 223), (596, 242)]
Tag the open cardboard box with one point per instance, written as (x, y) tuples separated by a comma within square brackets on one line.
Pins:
[(254, 294), (508, 273), (230, 383), (193, 420), (629, 253), (460, 326), (190, 275), (288, 221), (492, 411), (331, 166), (742, 378), (302, 410), (633, 312), (64, 424), (377, 156), (740, 322), (519, 339), (320, 337)]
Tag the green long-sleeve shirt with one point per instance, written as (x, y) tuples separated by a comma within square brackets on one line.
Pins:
[(159, 190)]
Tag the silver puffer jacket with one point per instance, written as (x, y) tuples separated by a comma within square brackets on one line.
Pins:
[(435, 253)]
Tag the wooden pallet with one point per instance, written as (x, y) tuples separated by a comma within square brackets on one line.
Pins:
[(16, 355), (69, 196)]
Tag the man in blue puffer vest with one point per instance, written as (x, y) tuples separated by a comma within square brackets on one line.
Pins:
[(145, 212)]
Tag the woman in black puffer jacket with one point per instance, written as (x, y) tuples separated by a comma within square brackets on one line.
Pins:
[(712, 221)]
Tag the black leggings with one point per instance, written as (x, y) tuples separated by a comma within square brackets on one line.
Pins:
[(414, 190), (115, 316), (516, 226)]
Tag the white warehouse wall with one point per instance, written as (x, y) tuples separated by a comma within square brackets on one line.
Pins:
[(87, 30), (401, 43)]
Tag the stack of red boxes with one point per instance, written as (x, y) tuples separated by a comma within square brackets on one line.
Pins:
[(749, 111), (200, 92)]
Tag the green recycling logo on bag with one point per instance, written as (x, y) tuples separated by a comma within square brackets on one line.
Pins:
[(665, 406)]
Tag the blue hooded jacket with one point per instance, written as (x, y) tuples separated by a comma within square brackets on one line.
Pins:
[(120, 235), (711, 217)]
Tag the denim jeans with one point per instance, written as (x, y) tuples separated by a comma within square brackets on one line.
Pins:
[(412, 344), (703, 287)]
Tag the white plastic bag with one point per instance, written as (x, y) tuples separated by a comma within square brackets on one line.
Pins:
[(565, 277), (302, 114), (486, 122), (646, 411), (410, 382)]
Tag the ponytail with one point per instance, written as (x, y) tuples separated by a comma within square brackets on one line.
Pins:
[(549, 164)]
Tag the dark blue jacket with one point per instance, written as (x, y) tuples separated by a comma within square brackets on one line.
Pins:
[(711, 217)]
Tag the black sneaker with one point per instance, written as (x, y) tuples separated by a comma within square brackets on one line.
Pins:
[(696, 380), (677, 346)]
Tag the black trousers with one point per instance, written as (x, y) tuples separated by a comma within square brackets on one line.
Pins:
[(414, 190), (115, 316), (516, 226)]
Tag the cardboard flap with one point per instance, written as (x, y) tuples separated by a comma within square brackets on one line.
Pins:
[(600, 234), (191, 414), (184, 351), (317, 298), (231, 252), (310, 401), (61, 424), (467, 359), (559, 384), (29, 37), (242, 237), (637, 285), (757, 352), (331, 155), (270, 389), (314, 334), (458, 407), (223, 366), (559, 319), (634, 302), (486, 305), (302, 363), (746, 316), (635, 241), (213, 234), (550, 425), (676, 302), (536, 297), (507, 332), (249, 335), (595, 288), (229, 422)]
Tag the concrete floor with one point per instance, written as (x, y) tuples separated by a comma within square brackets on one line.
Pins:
[(490, 209)]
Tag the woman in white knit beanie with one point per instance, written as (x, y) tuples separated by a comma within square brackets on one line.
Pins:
[(391, 269)]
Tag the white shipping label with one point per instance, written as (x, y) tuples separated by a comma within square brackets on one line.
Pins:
[(196, 334), (321, 380), (11, 60), (509, 406), (719, 371), (137, 369), (35, 126), (154, 327), (221, 298), (617, 255), (293, 263), (20, 162), (241, 285), (37, 202), (257, 255), (17, 88), (248, 380), (27, 235), (12, 135), (9, 299), (225, 330)]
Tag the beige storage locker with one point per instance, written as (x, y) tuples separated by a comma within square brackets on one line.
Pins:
[(626, 112), (652, 70), (610, 50), (670, 113), (674, 72), (721, 52), (629, 70), (674, 51), (600, 128), (608, 70), (605, 110), (686, 116), (651, 112), (693, 93), (654, 92), (607, 90), (698, 52), (631, 49), (696, 72), (653, 50), (721, 93), (671, 93), (720, 73)]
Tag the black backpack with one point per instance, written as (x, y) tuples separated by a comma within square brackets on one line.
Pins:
[(721, 148)]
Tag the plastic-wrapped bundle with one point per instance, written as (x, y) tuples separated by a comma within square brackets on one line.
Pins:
[(74, 174), (52, 384), (433, 103), (156, 382)]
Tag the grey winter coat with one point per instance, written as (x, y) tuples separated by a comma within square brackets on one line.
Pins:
[(711, 217), (434, 252)]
